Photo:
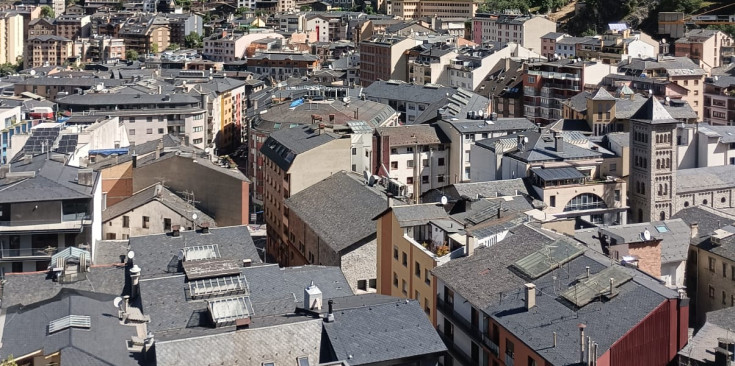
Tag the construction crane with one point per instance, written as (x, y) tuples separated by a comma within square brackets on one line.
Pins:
[(674, 23)]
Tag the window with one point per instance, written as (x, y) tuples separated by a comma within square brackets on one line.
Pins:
[(354, 151), (417, 269), (552, 201), (146, 221), (711, 264), (531, 79), (613, 167), (405, 259), (149, 131), (617, 195), (440, 162), (509, 348), (427, 276), (404, 287), (724, 270), (425, 162), (711, 292), (126, 221), (132, 120), (409, 163), (302, 361), (585, 201), (409, 180), (531, 361), (395, 280), (160, 130), (197, 129), (362, 285), (440, 178), (724, 298), (394, 165), (197, 141), (373, 283), (732, 273), (394, 151), (111, 236), (166, 224), (409, 149), (395, 253), (425, 179), (131, 132)]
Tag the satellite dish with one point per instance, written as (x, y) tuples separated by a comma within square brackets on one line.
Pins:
[(32, 72), (194, 216), (650, 92), (180, 254), (668, 100), (131, 254), (444, 200), (525, 140), (646, 235), (117, 301), (99, 87), (206, 150)]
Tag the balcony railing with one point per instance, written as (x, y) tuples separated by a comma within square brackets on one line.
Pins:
[(28, 252), (448, 311), (509, 360), (455, 352)]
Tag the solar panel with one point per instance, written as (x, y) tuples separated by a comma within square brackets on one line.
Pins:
[(226, 311), (211, 268), (218, 286), (201, 252), (586, 290), (69, 321), (547, 258)]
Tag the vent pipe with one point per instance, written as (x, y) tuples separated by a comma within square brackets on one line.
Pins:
[(581, 342), (530, 296)]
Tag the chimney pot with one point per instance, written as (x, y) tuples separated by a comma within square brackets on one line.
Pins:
[(694, 229), (530, 296), (176, 230), (581, 342), (247, 262)]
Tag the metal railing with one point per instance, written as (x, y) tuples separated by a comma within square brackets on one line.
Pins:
[(28, 252), (455, 352)]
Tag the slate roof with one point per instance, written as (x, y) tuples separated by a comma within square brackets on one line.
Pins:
[(282, 146), (342, 221), (375, 114), (606, 321), (726, 134), (707, 219), (52, 181), (413, 135), (653, 112), (111, 99), (157, 193), (26, 330), (675, 235), (602, 94), (480, 277), (540, 147), (110, 251), (373, 334), (705, 179), (499, 78), (401, 91), (495, 188), (155, 253), (101, 279), (500, 124), (412, 215)]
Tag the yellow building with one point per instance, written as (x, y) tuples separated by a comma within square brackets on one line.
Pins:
[(11, 37), (414, 9)]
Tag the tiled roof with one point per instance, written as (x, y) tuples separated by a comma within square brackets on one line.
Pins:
[(402, 91), (653, 112), (411, 215)]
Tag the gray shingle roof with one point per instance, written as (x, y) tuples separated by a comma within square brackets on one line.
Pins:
[(282, 146), (412, 135), (372, 334), (602, 94), (411, 215), (708, 220), (103, 99), (675, 235), (155, 193), (652, 111), (705, 179), (725, 133), (540, 147), (402, 91), (154, 253), (501, 124), (52, 181), (339, 209), (26, 330)]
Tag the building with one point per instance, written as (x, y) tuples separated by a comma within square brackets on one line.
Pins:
[(527, 31), (281, 66), (495, 306), (46, 206), (547, 84), (291, 157), (710, 277), (414, 157), (680, 71), (182, 25), (337, 232), (51, 88), (72, 26), (503, 85), (11, 43), (719, 101), (618, 43), (48, 51), (409, 100), (413, 9), (549, 42), (41, 27), (383, 57), (708, 48), (659, 248), (711, 342), (154, 210), (99, 49), (563, 170), (652, 135), (427, 64), (226, 46), (145, 34), (470, 68)]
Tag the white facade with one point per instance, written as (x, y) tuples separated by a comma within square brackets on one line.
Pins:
[(640, 49), (424, 167), (320, 27), (462, 76)]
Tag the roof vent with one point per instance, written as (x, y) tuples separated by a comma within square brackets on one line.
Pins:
[(205, 227), (312, 297), (69, 321)]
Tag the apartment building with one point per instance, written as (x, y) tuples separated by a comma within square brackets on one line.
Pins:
[(48, 51), (470, 67), (526, 31), (41, 27), (282, 65), (549, 42), (99, 49), (413, 9), (383, 57), (11, 37), (415, 158), (719, 101), (706, 47), (618, 43), (501, 314), (72, 26), (46, 206), (680, 71), (410, 100), (503, 85), (226, 46), (141, 33), (547, 84), (427, 63), (295, 159)]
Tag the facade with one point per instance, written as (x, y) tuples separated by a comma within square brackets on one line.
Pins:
[(409, 100), (291, 157), (11, 37), (706, 47), (415, 157), (47, 206), (41, 27), (99, 49), (231, 46), (413, 9), (652, 136), (145, 34), (48, 51), (281, 66), (526, 31), (469, 69), (72, 26), (719, 101), (503, 85), (383, 58), (548, 44), (547, 84), (428, 66)]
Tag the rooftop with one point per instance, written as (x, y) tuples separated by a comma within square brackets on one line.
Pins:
[(705, 179), (413, 135), (39, 179), (157, 193), (282, 146)]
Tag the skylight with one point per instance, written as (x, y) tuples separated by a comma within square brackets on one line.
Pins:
[(69, 321)]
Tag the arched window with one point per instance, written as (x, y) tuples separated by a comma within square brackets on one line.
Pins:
[(585, 201), (637, 187), (660, 189), (663, 215), (658, 163), (643, 188), (723, 199), (666, 188), (668, 162), (658, 138), (640, 215)]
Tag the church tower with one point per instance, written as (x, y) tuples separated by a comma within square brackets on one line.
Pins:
[(652, 180)]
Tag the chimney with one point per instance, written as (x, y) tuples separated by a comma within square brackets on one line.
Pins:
[(126, 303), (247, 262), (612, 285), (85, 177), (330, 315), (558, 143), (312, 297), (498, 160), (554, 339), (135, 279), (520, 142), (588, 271), (530, 296), (695, 229), (158, 153), (581, 342), (176, 230), (135, 160), (205, 227)]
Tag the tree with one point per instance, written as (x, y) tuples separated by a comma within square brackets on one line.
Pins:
[(369, 9), (684, 6), (47, 12), (10, 361), (154, 48), (131, 55), (9, 69), (173, 47), (193, 40), (241, 10), (728, 29)]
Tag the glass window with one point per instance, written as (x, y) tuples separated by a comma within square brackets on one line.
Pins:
[(585, 201)]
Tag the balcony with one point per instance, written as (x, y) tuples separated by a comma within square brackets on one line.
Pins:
[(36, 226), (554, 75), (448, 311), (38, 252), (455, 352)]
